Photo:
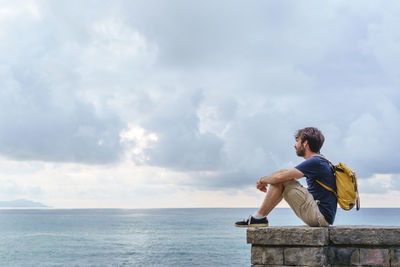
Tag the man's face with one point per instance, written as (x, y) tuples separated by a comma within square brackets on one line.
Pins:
[(300, 148)]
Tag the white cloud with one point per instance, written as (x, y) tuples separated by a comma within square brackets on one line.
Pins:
[(35, 127), (395, 182), (27, 9), (371, 140), (206, 94), (378, 183), (382, 37)]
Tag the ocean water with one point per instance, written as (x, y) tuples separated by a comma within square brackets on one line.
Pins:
[(143, 237)]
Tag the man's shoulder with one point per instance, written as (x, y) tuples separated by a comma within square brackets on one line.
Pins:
[(313, 163), (312, 160), (319, 159)]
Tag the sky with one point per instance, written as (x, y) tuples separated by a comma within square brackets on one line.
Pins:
[(162, 104)]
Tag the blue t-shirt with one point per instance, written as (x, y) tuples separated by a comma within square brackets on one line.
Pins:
[(317, 168)]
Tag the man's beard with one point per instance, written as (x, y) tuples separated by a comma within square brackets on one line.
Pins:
[(301, 151)]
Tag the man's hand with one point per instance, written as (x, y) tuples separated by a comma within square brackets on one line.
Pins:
[(260, 186), (277, 177)]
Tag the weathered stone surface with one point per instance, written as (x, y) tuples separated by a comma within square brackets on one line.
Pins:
[(266, 255), (374, 257), (267, 265), (344, 256), (309, 256), (395, 256), (289, 235), (365, 235), (336, 246)]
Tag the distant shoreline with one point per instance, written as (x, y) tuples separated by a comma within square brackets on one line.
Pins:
[(22, 203)]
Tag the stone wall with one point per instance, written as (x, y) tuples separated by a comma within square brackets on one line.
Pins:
[(324, 246)]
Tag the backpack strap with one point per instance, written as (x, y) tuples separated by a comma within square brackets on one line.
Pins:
[(326, 187), (358, 201), (333, 168), (330, 163)]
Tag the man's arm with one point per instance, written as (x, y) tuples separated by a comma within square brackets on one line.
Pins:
[(281, 176)]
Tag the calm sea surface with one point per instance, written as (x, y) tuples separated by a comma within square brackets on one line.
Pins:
[(143, 237)]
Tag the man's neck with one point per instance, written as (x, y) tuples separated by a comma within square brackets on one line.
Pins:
[(309, 154)]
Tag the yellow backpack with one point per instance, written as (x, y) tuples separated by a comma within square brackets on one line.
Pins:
[(346, 184)]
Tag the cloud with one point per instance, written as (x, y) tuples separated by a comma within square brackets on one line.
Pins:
[(283, 73), (215, 90), (371, 139), (45, 114), (10, 189), (395, 182), (36, 126), (377, 184), (180, 145)]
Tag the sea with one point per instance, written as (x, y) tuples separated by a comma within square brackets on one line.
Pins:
[(144, 237)]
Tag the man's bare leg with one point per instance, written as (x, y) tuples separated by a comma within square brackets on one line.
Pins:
[(273, 197)]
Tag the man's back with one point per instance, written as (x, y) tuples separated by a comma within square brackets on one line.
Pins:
[(317, 168)]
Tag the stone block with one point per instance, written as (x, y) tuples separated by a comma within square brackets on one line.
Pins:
[(309, 256), (266, 255), (395, 256), (289, 235), (344, 256), (267, 265), (365, 235), (375, 257)]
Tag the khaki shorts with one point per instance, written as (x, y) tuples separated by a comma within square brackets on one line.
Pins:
[(303, 204)]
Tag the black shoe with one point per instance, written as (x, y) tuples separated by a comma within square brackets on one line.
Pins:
[(253, 222)]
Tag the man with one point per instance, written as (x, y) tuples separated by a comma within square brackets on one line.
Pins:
[(316, 206)]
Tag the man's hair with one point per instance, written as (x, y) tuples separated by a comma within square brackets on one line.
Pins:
[(314, 137)]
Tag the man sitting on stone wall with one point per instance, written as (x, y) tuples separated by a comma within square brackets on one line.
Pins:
[(315, 205)]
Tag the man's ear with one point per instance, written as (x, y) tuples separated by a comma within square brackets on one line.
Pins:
[(305, 143)]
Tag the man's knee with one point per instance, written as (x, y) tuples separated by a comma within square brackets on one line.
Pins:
[(290, 190), (280, 186), (283, 184), (288, 182)]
